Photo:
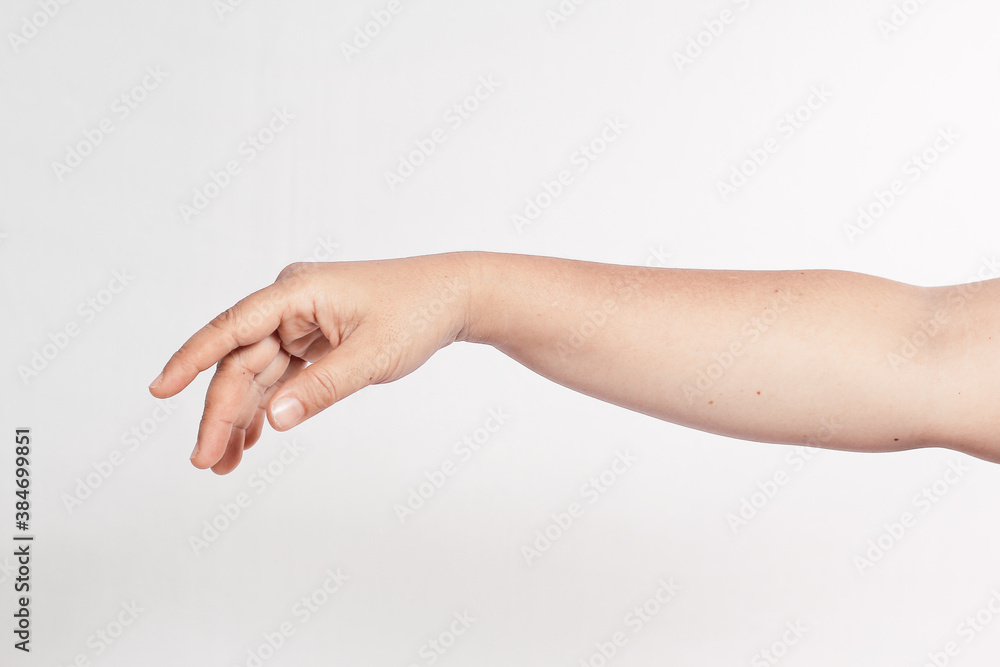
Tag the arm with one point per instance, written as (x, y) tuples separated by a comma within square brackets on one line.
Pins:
[(826, 358), (809, 357)]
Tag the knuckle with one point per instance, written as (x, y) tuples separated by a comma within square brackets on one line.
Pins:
[(184, 357), (225, 324), (226, 317), (293, 269), (324, 387)]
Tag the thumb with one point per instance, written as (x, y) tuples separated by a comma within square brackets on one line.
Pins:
[(341, 372)]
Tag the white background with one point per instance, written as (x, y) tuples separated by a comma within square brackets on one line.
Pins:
[(319, 191)]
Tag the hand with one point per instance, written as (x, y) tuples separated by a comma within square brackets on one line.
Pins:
[(320, 333)]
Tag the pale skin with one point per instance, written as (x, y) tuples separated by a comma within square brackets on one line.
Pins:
[(814, 357)]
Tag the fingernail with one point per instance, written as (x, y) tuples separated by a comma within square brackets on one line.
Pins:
[(195, 452), (288, 412), (156, 383)]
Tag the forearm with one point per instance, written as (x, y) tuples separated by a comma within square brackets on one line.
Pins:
[(776, 356)]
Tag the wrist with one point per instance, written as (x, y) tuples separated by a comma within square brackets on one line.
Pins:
[(480, 312)]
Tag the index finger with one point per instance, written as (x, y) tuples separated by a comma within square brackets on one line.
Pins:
[(251, 320)]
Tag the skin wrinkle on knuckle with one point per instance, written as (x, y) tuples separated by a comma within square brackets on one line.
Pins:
[(221, 327), (225, 317), (325, 386), (182, 358)]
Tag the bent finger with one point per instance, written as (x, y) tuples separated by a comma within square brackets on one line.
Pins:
[(249, 321), (260, 416), (230, 399)]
